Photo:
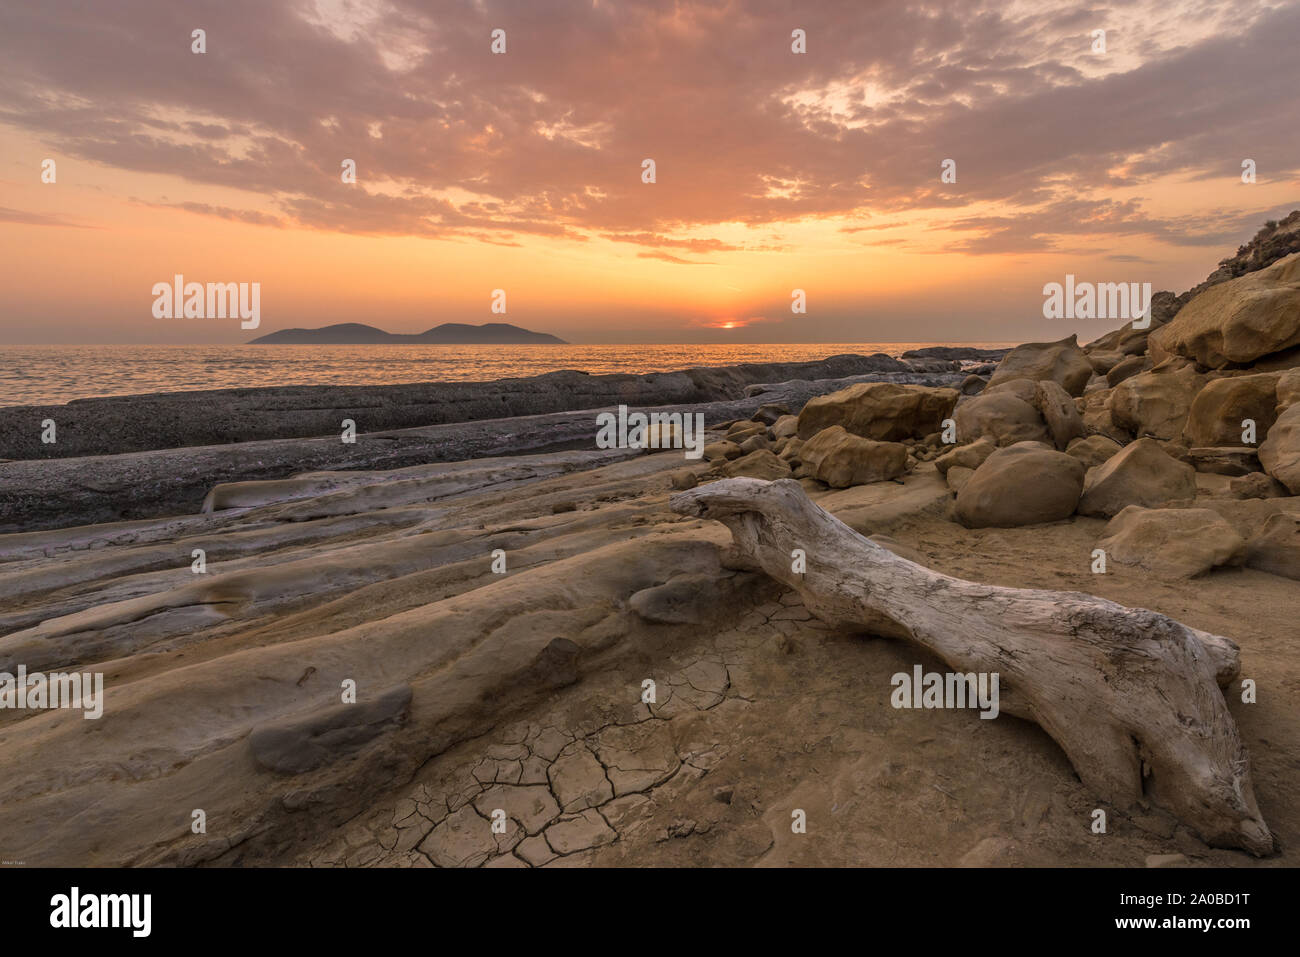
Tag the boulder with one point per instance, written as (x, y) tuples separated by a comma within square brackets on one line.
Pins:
[(761, 465), (882, 411), (1157, 402), (1062, 362), (1023, 389), (958, 476), (1240, 320), (786, 426), (754, 443), (841, 459), (1103, 360), (1059, 412), (1024, 484), (1225, 460), (1279, 454), (973, 385), (1002, 417), (1276, 547), (1093, 450), (1217, 411), (717, 451), (1257, 485), (970, 456), (1129, 367), (793, 446), (769, 414), (1288, 390), (1171, 542), (1140, 474)]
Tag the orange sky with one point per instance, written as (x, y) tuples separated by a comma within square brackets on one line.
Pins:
[(522, 171)]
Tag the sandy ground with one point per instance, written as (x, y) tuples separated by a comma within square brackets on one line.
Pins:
[(525, 689)]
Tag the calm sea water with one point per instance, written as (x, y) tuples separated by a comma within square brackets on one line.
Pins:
[(40, 375)]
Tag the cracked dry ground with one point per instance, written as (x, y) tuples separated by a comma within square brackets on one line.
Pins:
[(522, 693)]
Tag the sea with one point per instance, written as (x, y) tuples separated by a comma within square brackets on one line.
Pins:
[(48, 375)]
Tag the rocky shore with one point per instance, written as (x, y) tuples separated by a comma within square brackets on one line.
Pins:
[(499, 617)]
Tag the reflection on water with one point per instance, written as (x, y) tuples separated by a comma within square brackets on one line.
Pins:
[(36, 375)]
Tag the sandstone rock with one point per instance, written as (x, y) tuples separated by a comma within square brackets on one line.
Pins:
[(793, 447), (1171, 542), (958, 476), (1156, 403), (1093, 449), (769, 414), (840, 460), (881, 411), (969, 456), (1002, 417), (1276, 548), (755, 443), (716, 451), (1257, 485), (465, 839), (1288, 390), (1225, 460), (973, 385), (1127, 368), (760, 464), (1241, 320), (786, 426), (739, 431), (304, 743), (637, 756), (1279, 454), (1024, 484), (1140, 474), (1026, 390), (1103, 360), (1059, 412), (1217, 411), (1063, 362)]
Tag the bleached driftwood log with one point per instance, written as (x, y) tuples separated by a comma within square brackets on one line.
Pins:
[(1132, 697)]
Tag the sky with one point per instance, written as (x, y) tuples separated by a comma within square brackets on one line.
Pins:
[(522, 170)]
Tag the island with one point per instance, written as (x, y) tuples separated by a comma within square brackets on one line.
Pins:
[(449, 333)]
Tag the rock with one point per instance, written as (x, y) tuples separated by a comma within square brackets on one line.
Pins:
[(716, 451), (1059, 412), (682, 600), (958, 476), (580, 832), (1166, 860), (768, 414), (761, 464), (1276, 547), (1288, 390), (969, 456), (1103, 360), (739, 431), (578, 779), (1126, 369), (1225, 460), (881, 411), (637, 757), (1279, 454), (792, 449), (304, 743), (1239, 321), (973, 385), (1063, 362), (1140, 474), (1004, 418), (1257, 485), (1026, 390), (755, 443), (1093, 450), (1024, 484), (840, 460), (1217, 411), (682, 479), (1156, 403), (1171, 542), (786, 426)]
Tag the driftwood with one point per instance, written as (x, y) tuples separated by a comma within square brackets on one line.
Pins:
[(1132, 697)]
